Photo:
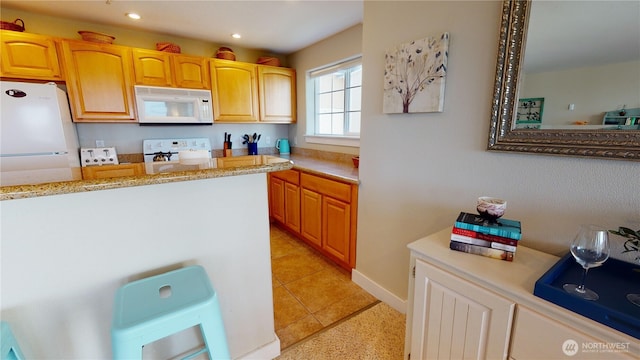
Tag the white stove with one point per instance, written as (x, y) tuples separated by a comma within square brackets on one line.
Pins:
[(168, 155)]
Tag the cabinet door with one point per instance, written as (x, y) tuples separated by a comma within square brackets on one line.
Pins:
[(191, 72), (111, 171), (99, 81), (336, 226), (455, 319), (234, 88), (276, 199), (311, 211), (277, 94), (536, 336), (29, 56), (152, 67), (292, 206)]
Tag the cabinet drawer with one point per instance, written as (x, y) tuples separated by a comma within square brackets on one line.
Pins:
[(537, 336), (291, 176), (111, 171), (334, 189)]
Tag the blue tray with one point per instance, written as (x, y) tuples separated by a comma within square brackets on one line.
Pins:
[(612, 281)]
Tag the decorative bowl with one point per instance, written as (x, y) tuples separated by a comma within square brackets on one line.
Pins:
[(491, 208), (268, 60), (96, 37), (168, 47), (225, 53)]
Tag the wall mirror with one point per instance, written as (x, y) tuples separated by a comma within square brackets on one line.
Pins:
[(543, 102)]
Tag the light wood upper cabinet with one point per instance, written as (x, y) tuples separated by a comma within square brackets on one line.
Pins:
[(157, 68), (191, 71), (28, 56), (234, 91), (99, 81), (152, 67), (277, 94)]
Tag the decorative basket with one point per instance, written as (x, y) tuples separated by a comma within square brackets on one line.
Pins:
[(168, 47), (268, 60), (96, 37), (4, 25), (225, 53)]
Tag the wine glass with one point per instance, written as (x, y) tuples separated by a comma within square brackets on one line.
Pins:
[(634, 298), (590, 248)]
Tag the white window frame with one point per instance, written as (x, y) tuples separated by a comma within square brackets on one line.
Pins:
[(311, 136)]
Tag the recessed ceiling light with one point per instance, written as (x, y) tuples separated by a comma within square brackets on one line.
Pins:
[(133, 16), (236, 36)]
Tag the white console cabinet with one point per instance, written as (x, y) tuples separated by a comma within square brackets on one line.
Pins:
[(464, 306)]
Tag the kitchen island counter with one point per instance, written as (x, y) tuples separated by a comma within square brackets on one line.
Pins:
[(273, 163)]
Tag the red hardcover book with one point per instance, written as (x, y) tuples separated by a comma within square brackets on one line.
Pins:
[(486, 237)]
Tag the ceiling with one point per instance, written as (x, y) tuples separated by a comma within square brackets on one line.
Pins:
[(281, 27)]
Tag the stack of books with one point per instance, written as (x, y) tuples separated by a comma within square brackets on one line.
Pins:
[(475, 235)]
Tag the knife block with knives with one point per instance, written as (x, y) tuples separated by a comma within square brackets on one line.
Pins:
[(227, 145)]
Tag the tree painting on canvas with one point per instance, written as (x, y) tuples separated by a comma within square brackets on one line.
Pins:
[(414, 76)]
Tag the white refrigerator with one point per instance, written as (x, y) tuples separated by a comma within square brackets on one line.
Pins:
[(38, 140)]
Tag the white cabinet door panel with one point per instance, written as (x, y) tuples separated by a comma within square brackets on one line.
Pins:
[(455, 319), (537, 336)]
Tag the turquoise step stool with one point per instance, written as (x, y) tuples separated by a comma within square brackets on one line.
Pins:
[(9, 345), (150, 309)]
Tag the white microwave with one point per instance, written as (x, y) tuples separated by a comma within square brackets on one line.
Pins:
[(173, 106)]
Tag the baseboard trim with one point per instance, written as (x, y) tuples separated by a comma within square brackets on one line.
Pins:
[(268, 351), (378, 291)]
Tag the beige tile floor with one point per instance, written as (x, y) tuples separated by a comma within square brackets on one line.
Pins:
[(310, 293)]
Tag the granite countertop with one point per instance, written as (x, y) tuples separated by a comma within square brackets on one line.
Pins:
[(341, 171), (66, 187), (337, 170)]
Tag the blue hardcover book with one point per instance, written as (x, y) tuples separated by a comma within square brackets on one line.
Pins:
[(504, 227)]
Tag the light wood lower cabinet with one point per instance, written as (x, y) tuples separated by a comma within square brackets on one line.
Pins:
[(284, 198), (111, 171), (321, 211), (311, 205), (464, 306)]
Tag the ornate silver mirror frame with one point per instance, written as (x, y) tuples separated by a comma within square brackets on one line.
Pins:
[(603, 144)]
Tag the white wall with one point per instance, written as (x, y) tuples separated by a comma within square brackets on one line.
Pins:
[(418, 171), (64, 256), (593, 90)]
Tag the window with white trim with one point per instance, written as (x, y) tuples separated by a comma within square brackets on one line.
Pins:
[(337, 93)]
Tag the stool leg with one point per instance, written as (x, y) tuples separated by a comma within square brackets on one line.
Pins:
[(215, 339), (126, 350), (8, 343)]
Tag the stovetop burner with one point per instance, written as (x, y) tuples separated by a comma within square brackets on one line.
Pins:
[(168, 149), (163, 155)]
